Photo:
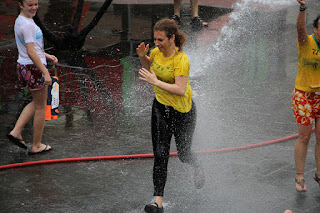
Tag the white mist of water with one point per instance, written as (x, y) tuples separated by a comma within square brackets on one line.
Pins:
[(269, 2), (233, 76), (203, 58)]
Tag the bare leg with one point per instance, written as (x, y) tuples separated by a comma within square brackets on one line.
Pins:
[(39, 100), (194, 8), (176, 7), (25, 116), (158, 200), (317, 147), (196, 20), (301, 150)]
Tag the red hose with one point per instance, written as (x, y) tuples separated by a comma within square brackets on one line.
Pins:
[(118, 157)]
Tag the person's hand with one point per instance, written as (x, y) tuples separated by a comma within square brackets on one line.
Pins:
[(302, 2), (147, 76), (47, 79), (142, 49), (52, 58)]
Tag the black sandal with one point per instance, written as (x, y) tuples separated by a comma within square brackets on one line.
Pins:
[(17, 141), (176, 19), (197, 22), (317, 179), (150, 208)]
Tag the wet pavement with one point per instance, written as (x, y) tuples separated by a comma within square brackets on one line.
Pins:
[(243, 69)]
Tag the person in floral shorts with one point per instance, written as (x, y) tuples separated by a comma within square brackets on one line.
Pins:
[(32, 74), (306, 95)]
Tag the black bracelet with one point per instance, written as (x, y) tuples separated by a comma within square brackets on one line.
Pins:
[(302, 8)]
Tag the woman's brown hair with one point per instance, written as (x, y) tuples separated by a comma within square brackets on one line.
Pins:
[(171, 28)]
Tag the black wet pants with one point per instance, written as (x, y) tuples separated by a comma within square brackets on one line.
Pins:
[(166, 121)]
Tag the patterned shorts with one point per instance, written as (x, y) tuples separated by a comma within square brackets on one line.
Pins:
[(305, 106), (29, 76)]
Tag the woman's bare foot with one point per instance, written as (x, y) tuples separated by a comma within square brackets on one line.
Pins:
[(300, 184), (41, 148)]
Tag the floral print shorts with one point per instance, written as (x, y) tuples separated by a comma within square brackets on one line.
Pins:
[(305, 106), (29, 76)]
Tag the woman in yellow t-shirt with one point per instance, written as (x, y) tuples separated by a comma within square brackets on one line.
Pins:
[(173, 111), (306, 95)]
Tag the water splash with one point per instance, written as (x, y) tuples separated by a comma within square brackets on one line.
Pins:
[(269, 2), (246, 19), (264, 4)]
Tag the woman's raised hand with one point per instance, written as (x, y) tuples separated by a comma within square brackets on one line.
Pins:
[(142, 49), (302, 2)]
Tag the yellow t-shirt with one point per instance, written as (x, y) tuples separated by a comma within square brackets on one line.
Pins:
[(166, 69), (308, 66)]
